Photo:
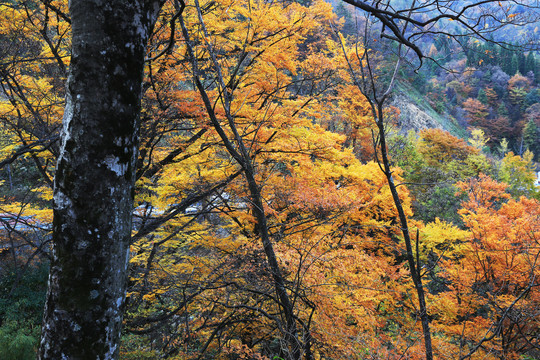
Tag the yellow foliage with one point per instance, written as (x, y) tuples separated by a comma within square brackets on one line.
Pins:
[(443, 239)]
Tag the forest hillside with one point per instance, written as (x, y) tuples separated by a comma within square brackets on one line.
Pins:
[(305, 188)]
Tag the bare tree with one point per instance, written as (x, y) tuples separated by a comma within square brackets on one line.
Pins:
[(406, 22)]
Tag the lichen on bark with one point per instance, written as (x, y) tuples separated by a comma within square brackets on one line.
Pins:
[(94, 180)]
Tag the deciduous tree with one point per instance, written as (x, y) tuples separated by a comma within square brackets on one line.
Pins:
[(94, 180)]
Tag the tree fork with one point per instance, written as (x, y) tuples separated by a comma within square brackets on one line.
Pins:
[(242, 157)]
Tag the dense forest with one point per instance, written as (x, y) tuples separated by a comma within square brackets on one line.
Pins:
[(288, 203)]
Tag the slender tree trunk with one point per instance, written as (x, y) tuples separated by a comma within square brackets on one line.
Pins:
[(413, 265), (291, 336), (240, 153), (94, 183), (9, 177)]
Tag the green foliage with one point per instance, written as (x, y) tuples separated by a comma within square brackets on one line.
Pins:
[(432, 162), (502, 110), (533, 97), (24, 301), (530, 62), (513, 69), (404, 150), (518, 172), (531, 137), (482, 97), (439, 201), (21, 307), (18, 340)]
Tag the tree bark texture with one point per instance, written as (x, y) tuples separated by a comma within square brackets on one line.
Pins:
[(94, 183)]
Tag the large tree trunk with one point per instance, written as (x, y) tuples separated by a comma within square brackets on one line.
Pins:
[(93, 194)]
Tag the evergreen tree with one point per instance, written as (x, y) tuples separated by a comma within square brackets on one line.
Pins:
[(530, 62), (349, 27), (472, 57), (482, 97), (502, 111), (531, 137), (532, 97), (487, 53), (504, 60), (514, 65), (522, 63)]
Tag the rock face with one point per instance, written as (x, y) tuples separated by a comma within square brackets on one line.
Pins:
[(412, 117)]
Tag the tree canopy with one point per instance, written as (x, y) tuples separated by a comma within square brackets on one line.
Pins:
[(231, 180)]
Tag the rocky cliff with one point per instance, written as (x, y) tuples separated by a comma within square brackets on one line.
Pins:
[(413, 116)]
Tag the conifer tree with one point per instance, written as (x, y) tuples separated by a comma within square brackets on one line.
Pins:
[(482, 97), (531, 137), (514, 65), (529, 62)]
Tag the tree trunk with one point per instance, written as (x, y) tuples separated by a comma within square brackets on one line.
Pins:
[(295, 346), (413, 265), (94, 183)]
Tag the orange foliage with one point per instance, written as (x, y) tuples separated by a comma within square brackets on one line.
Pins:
[(476, 112), (491, 294), (440, 148), (491, 96), (519, 81), (201, 271)]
